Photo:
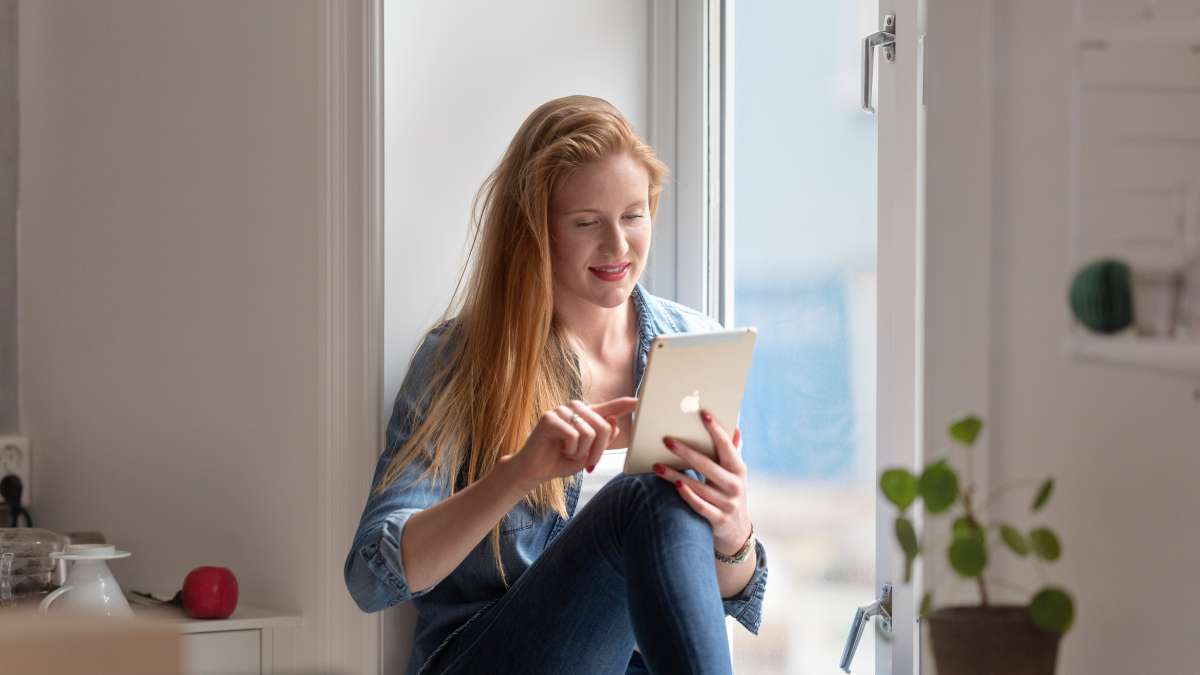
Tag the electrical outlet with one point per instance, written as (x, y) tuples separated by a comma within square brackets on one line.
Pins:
[(16, 459)]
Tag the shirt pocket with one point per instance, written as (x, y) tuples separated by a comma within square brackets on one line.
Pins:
[(515, 522), (519, 519)]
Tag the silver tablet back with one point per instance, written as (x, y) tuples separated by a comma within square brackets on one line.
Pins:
[(684, 373)]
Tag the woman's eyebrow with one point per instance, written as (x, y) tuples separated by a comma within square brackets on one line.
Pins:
[(638, 202)]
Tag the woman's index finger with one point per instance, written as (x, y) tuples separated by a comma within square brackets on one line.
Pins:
[(617, 406)]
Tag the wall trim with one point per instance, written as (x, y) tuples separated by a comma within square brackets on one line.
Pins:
[(351, 328)]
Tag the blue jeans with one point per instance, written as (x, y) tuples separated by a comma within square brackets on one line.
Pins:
[(635, 564)]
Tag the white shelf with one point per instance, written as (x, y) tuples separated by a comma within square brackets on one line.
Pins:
[(1173, 357), (243, 618)]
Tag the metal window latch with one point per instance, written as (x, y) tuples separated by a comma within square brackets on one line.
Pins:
[(885, 38), (881, 608)]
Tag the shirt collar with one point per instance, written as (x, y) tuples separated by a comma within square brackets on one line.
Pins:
[(647, 331)]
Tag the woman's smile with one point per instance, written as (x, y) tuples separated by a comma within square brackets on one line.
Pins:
[(611, 272)]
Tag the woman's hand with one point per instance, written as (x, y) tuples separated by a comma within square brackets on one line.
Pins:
[(558, 446), (722, 499)]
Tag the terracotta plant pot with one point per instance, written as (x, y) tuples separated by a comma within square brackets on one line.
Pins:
[(993, 640)]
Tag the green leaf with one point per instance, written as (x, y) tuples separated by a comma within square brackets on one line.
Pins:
[(1043, 495), (1015, 540), (1045, 544), (968, 556), (926, 604), (967, 528), (899, 486), (1052, 610), (907, 536), (966, 430), (938, 486)]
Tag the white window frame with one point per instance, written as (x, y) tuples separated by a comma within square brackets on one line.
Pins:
[(947, 227), (953, 225), (691, 116), (350, 368), (691, 113)]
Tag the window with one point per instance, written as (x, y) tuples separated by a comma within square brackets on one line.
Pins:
[(781, 235)]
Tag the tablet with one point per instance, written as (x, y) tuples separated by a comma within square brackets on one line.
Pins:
[(686, 372)]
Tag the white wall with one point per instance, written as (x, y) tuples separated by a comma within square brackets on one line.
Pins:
[(1124, 445), (170, 185), (460, 79)]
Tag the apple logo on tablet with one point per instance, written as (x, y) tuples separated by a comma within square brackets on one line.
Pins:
[(691, 402)]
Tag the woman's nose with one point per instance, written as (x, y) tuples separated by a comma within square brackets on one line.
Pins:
[(615, 243)]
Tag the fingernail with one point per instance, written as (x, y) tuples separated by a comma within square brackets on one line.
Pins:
[(591, 467), (706, 417), (668, 442), (659, 469), (679, 484)]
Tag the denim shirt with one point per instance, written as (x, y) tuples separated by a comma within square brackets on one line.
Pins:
[(374, 570)]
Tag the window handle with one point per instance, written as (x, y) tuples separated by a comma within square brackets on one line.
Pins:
[(881, 608), (885, 38)]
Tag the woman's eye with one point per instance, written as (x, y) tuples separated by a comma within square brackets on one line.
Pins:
[(631, 216)]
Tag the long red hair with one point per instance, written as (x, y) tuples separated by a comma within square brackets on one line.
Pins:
[(504, 358)]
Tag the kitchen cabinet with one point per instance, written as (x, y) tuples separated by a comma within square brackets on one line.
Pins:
[(242, 644)]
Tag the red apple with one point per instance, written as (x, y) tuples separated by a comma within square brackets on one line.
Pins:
[(210, 593)]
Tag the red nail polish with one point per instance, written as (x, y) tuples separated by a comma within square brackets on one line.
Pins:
[(668, 442), (679, 484), (706, 417), (659, 469), (590, 468)]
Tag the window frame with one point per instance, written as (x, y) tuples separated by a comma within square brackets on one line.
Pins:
[(692, 259), (691, 118)]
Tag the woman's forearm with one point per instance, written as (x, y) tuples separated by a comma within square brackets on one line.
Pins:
[(732, 579), (438, 538)]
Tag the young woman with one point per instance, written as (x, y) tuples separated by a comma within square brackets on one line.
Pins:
[(507, 408)]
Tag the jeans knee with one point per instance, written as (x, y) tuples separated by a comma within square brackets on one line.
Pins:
[(643, 486), (663, 499)]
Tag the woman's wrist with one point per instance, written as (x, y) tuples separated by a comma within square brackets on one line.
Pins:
[(730, 549), (505, 472)]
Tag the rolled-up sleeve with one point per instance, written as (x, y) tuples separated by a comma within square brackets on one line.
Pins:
[(746, 607), (374, 568)]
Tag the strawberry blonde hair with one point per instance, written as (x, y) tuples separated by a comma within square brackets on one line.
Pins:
[(505, 359)]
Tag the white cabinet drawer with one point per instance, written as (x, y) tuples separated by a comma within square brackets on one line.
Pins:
[(241, 644), (234, 652)]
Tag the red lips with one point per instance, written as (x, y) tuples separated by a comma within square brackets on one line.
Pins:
[(611, 276)]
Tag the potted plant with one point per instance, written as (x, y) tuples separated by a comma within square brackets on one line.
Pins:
[(988, 638)]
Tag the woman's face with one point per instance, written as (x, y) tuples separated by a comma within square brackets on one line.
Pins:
[(600, 231)]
